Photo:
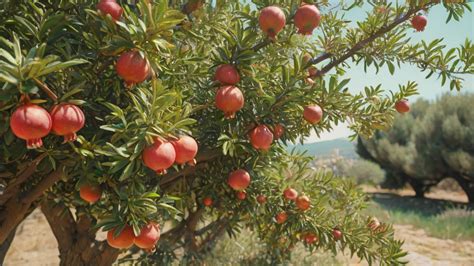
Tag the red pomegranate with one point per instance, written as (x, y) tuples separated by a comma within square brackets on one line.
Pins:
[(90, 193), (149, 235), (110, 7), (261, 138), (123, 240), (337, 234), (159, 156), (31, 122), (310, 238), (281, 217), (419, 22), (229, 99), (239, 179), (272, 20), (261, 199), (303, 203), (402, 106), (186, 149), (278, 131), (67, 120), (132, 67), (313, 114), (241, 195), (207, 201), (227, 74), (290, 194), (307, 18)]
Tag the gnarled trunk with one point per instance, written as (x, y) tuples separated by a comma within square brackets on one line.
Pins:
[(6, 245), (467, 185)]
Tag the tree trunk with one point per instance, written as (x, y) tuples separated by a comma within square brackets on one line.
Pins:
[(467, 185), (417, 186), (6, 245)]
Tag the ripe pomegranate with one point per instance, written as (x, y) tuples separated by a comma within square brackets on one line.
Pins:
[(110, 7), (272, 20), (261, 138), (313, 114), (278, 131), (229, 99), (337, 234), (402, 106), (303, 203), (67, 120), (31, 122), (132, 67), (307, 18), (239, 179), (419, 22), (281, 217), (290, 194), (207, 201), (227, 74), (159, 156), (123, 240), (186, 149), (90, 193), (373, 223), (310, 238), (261, 199), (149, 235), (241, 195)]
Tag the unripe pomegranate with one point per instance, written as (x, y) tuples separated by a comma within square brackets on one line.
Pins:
[(261, 138), (337, 234), (67, 120), (229, 99), (278, 131), (419, 22), (31, 122), (207, 201), (241, 195), (159, 156), (281, 217), (272, 20), (261, 199), (290, 194), (186, 149), (239, 179), (307, 18), (313, 114), (90, 193), (402, 106), (123, 240), (149, 235), (132, 67), (310, 238), (227, 74), (373, 223), (110, 7), (303, 203)]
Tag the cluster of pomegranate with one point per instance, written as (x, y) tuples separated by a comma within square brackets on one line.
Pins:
[(229, 98), (32, 122), (302, 201), (147, 239)]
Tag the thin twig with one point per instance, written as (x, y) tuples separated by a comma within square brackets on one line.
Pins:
[(46, 89)]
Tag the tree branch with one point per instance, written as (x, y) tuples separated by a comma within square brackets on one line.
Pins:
[(46, 89)]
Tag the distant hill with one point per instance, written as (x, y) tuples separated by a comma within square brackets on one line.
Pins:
[(345, 148)]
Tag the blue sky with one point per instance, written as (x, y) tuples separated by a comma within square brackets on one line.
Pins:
[(454, 34)]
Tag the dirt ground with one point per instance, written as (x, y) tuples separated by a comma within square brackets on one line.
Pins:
[(35, 245)]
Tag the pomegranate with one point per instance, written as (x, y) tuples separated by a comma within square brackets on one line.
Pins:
[(402, 106), (313, 114), (272, 20), (227, 74), (110, 7), (132, 67), (241, 195), (192, 5), (419, 22), (149, 235), (306, 58), (373, 223), (261, 199), (312, 72), (67, 120), (207, 201), (278, 131), (159, 156), (290, 194), (307, 18), (123, 240), (186, 149), (310, 238), (281, 217), (261, 138), (303, 203), (31, 122), (337, 234), (90, 193), (239, 179), (229, 99)]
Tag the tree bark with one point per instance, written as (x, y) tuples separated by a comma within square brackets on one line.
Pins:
[(5, 246), (467, 185), (417, 186)]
